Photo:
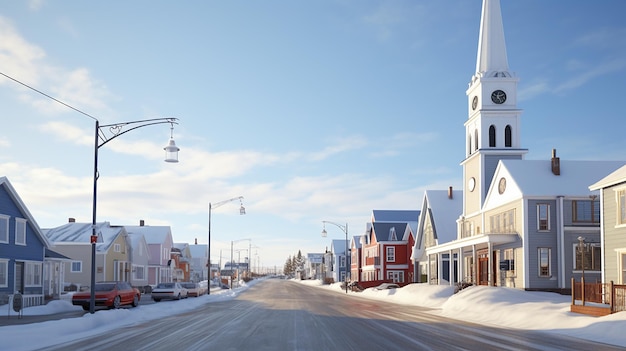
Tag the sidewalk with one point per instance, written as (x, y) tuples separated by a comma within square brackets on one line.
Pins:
[(15, 320)]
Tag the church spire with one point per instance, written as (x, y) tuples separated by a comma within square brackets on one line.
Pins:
[(491, 60)]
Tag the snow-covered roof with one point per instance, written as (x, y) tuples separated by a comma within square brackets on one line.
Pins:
[(409, 216), (617, 177), (153, 234), (338, 246), (198, 250), (445, 211), (81, 233), (535, 177)]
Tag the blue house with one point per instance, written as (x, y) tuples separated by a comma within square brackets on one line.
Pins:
[(22, 249)]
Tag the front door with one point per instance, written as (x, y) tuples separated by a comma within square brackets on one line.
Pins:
[(483, 269)]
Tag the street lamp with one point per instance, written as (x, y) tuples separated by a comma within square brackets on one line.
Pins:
[(232, 242), (345, 230), (104, 134), (242, 211)]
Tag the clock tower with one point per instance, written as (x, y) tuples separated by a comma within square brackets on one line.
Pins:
[(492, 131)]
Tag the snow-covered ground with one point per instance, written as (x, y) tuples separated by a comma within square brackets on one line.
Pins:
[(506, 308)]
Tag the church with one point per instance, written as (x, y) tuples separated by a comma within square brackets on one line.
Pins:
[(521, 222)]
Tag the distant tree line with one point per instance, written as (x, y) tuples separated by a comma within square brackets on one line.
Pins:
[(294, 266)]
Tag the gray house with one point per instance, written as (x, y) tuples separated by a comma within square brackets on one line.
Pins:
[(613, 223)]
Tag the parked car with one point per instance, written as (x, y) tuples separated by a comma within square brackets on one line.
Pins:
[(171, 291), (109, 294), (194, 289), (384, 286)]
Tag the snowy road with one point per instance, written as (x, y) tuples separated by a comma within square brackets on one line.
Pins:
[(283, 315)]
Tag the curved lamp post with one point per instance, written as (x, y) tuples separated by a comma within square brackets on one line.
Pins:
[(242, 211), (345, 230), (104, 134)]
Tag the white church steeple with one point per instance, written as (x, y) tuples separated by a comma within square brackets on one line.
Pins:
[(491, 60), (492, 130)]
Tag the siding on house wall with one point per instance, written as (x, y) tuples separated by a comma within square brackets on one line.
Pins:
[(542, 239), (614, 237)]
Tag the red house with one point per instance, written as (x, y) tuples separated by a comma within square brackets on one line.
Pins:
[(386, 253)]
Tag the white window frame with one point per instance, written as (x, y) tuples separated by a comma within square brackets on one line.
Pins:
[(620, 199), (33, 274), (4, 273), (576, 256), (390, 254), (20, 231), (539, 265), (547, 219), (4, 229), (80, 266), (139, 272), (117, 247)]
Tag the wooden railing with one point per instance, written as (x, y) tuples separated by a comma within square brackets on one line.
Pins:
[(609, 294)]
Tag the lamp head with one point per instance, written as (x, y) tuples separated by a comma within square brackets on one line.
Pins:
[(171, 152)]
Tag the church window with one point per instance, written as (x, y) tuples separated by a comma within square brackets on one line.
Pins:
[(492, 136), (476, 140), (507, 136)]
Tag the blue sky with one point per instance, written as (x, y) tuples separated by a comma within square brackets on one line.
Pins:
[(311, 110)]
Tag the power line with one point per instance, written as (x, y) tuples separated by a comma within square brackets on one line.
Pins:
[(50, 97)]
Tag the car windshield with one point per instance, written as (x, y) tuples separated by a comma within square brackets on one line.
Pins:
[(105, 287), (165, 286)]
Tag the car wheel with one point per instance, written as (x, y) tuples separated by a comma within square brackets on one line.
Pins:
[(135, 301), (157, 300), (178, 297), (117, 302), (85, 308)]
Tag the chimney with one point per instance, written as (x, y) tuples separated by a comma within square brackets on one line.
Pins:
[(141, 223), (196, 243), (450, 193), (556, 163), (71, 220)]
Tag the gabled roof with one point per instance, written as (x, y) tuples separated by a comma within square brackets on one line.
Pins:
[(357, 241), (81, 233), (444, 211), (617, 177), (4, 182), (153, 234), (535, 177), (383, 230), (198, 250), (338, 246), (408, 216)]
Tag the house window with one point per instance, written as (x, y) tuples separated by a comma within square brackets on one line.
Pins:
[(395, 276), (20, 231), (166, 254), (4, 229), (509, 255), (77, 266), (591, 257), (508, 138), (492, 136), (4, 273), (117, 248), (391, 254), (342, 261), (621, 206), (543, 217), (544, 255), (32, 274), (503, 223), (586, 211)]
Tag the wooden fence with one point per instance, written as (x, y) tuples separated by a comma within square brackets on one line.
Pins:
[(605, 298)]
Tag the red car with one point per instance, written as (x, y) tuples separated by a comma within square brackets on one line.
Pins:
[(109, 294)]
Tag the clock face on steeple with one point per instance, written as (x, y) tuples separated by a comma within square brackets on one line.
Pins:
[(474, 102), (498, 97)]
